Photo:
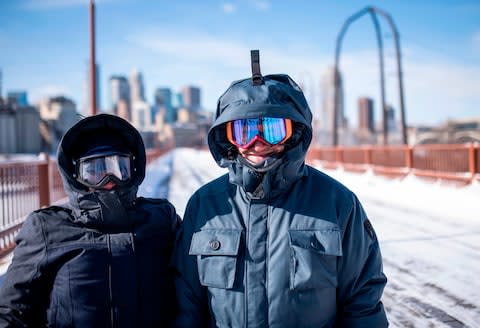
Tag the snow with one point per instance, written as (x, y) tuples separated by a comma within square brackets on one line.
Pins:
[(429, 237), (4, 262), (428, 233)]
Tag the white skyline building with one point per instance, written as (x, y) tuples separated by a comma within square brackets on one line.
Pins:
[(61, 114), (142, 116), (119, 89), (137, 89), (120, 95), (141, 111), (325, 122)]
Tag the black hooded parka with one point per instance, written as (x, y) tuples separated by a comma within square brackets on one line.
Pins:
[(100, 260), (297, 250)]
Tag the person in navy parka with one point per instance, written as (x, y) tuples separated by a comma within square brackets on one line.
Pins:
[(101, 260), (275, 242)]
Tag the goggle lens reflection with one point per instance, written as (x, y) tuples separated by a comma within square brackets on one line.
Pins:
[(93, 170), (243, 132)]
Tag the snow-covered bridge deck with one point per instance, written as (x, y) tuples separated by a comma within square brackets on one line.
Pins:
[(429, 235)]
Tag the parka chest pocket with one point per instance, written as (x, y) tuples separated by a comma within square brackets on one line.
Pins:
[(314, 256), (216, 252)]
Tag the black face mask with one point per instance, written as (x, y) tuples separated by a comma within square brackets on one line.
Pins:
[(105, 210), (252, 175), (113, 212), (269, 163)]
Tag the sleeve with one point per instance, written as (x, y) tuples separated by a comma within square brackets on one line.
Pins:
[(176, 221), (192, 306), (24, 295), (169, 284), (361, 277)]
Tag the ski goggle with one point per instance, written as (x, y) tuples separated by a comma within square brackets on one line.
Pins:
[(244, 132), (94, 171)]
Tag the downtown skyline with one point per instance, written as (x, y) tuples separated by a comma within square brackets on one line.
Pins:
[(208, 44)]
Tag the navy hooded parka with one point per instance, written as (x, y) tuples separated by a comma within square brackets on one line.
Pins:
[(298, 251)]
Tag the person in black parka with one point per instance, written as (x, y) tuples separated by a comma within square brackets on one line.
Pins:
[(102, 259)]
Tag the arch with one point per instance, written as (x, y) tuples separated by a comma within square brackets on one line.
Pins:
[(373, 11)]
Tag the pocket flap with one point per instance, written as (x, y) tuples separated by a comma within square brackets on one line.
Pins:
[(321, 241), (215, 242)]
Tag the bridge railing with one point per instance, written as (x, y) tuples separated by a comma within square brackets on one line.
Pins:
[(28, 186), (25, 187), (459, 162)]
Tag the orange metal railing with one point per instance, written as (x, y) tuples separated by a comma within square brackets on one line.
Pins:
[(27, 186), (23, 188), (460, 162)]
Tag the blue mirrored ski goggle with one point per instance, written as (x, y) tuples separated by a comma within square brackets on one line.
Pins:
[(244, 132)]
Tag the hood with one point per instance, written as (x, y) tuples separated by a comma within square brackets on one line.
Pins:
[(277, 96), (101, 129)]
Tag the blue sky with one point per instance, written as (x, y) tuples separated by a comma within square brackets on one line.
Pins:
[(44, 48)]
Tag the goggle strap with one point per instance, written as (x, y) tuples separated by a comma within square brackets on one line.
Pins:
[(229, 132), (289, 130), (104, 181), (257, 78)]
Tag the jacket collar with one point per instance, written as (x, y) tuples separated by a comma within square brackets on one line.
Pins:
[(276, 181), (103, 210)]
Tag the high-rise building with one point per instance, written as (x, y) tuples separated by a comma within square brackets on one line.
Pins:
[(59, 114), (137, 91), (191, 98), (18, 98), (178, 100), (120, 92), (328, 105), (391, 124), (122, 109), (27, 125), (366, 121), (141, 112), (163, 102), (142, 116), (163, 96), (119, 88), (19, 129), (8, 138)]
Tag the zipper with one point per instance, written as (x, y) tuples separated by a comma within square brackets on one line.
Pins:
[(247, 235), (138, 295), (132, 241), (267, 258), (112, 314)]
